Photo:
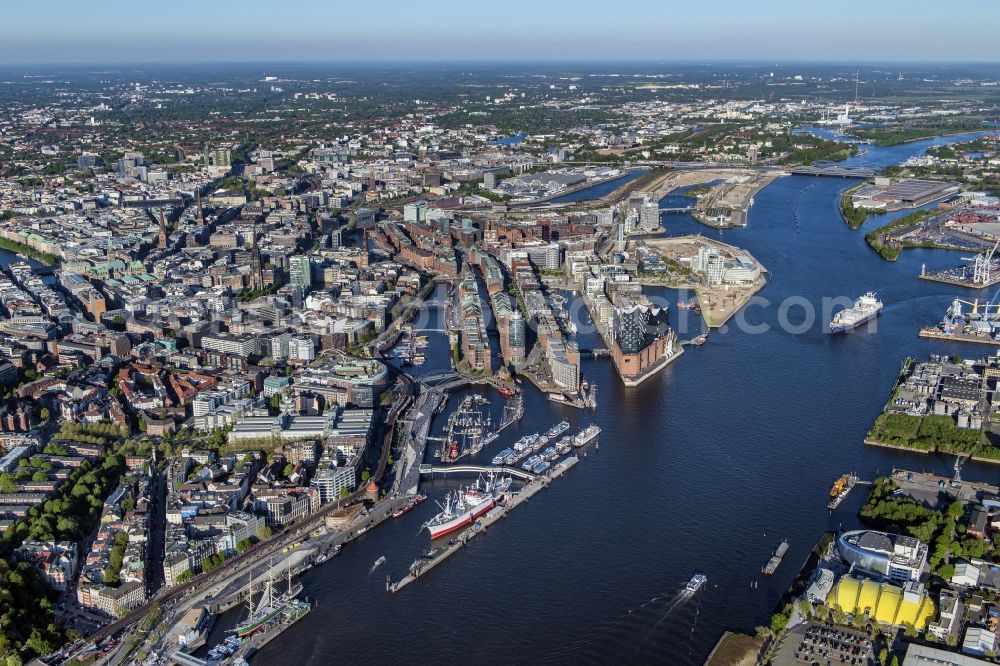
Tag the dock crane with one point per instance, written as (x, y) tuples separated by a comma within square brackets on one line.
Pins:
[(955, 314), (982, 265)]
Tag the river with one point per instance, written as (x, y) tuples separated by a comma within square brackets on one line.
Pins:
[(705, 467)]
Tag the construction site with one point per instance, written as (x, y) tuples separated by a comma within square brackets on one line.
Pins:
[(723, 277), (726, 204)]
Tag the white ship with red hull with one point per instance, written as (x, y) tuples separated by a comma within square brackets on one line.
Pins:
[(448, 521), (464, 506)]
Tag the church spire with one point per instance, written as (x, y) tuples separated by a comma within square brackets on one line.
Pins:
[(163, 232)]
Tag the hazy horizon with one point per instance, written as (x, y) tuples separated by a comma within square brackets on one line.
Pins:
[(894, 31)]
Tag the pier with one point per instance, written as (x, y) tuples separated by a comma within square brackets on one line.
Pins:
[(414, 435), (954, 336), (421, 566), (959, 281), (476, 469)]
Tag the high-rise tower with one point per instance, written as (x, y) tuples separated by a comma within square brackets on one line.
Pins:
[(256, 271), (201, 213)]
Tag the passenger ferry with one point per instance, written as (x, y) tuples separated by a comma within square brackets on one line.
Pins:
[(696, 582), (501, 458)]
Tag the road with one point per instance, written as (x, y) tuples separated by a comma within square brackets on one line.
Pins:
[(241, 563)]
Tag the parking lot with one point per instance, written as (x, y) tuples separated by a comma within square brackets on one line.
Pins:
[(826, 646)]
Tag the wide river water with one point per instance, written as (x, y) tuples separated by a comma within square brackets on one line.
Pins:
[(705, 467)]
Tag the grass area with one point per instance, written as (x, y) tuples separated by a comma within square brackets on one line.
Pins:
[(881, 241), (892, 136), (737, 650), (855, 216), (14, 246), (817, 150), (936, 433)]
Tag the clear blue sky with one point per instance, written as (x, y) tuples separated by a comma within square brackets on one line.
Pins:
[(185, 30)]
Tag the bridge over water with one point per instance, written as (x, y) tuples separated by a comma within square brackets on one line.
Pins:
[(447, 380), (828, 169)]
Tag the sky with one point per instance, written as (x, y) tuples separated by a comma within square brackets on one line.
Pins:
[(116, 31)]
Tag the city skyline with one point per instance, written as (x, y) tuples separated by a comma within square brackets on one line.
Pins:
[(297, 301), (515, 31)]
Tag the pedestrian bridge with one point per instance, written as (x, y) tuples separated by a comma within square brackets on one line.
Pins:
[(477, 469), (447, 380)]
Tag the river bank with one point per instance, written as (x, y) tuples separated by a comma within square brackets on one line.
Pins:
[(774, 385)]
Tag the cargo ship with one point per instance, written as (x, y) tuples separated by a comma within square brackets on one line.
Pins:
[(865, 309), (465, 505)]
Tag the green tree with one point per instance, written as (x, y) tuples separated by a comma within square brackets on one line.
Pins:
[(344, 492), (7, 484), (264, 533), (287, 471), (44, 414)]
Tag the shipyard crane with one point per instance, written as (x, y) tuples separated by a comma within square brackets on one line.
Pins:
[(983, 263), (956, 315)]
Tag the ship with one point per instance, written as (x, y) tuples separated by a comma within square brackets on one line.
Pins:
[(772, 564), (269, 608), (325, 556), (696, 582), (840, 489), (558, 429), (403, 509), (464, 506), (587, 435), (865, 309), (504, 391), (501, 458)]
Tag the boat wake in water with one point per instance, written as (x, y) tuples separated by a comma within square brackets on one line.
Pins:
[(648, 633)]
